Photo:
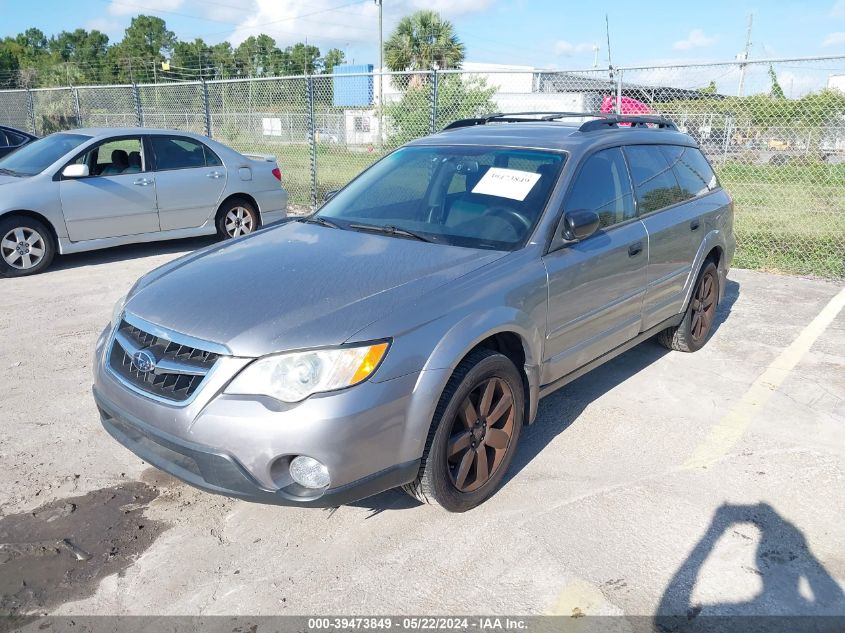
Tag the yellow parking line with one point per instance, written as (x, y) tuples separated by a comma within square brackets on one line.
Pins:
[(732, 426)]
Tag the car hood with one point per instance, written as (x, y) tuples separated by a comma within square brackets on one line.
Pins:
[(8, 180), (296, 286)]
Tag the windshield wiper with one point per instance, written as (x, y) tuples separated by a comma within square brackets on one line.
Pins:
[(10, 172), (390, 230), (316, 219)]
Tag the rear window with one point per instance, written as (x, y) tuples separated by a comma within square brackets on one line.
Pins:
[(177, 152), (654, 182), (691, 169)]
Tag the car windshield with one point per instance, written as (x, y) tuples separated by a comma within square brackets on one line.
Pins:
[(37, 156), (479, 197)]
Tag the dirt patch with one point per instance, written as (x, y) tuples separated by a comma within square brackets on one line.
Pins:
[(60, 551)]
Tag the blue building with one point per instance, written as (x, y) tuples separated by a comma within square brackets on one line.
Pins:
[(355, 91)]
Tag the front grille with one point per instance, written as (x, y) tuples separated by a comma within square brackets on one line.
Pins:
[(178, 369)]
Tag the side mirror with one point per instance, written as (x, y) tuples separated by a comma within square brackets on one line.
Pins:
[(330, 194), (75, 171), (579, 225)]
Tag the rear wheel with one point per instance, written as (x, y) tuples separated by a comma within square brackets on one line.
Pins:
[(691, 334), (474, 433), (237, 217), (26, 246)]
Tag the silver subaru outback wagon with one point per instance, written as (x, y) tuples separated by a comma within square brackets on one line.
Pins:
[(99, 187), (404, 334)]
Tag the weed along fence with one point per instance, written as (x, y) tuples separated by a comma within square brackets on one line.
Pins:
[(774, 129)]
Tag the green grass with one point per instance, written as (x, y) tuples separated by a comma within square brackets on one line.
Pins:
[(789, 218)]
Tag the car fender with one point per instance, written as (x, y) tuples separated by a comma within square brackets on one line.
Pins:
[(714, 238), (35, 195)]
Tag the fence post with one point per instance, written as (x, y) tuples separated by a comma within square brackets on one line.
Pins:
[(30, 110), (76, 107), (433, 126), (136, 99), (206, 109), (618, 92), (312, 137)]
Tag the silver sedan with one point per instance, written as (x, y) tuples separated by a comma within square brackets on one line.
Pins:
[(100, 187)]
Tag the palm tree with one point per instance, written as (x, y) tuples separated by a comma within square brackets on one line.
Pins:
[(422, 41)]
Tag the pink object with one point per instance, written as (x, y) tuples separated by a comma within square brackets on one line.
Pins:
[(627, 106)]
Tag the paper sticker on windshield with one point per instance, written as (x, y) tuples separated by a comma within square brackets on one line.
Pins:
[(506, 183)]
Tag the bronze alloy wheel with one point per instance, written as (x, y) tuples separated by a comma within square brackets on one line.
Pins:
[(481, 434), (703, 306)]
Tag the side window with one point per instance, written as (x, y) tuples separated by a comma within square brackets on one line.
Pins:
[(211, 159), (177, 152), (113, 158), (694, 174), (654, 181), (4, 141), (603, 186), (14, 139)]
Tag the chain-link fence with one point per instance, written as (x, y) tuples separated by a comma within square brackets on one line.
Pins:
[(774, 130)]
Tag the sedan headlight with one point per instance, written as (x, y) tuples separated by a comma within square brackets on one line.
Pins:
[(295, 376)]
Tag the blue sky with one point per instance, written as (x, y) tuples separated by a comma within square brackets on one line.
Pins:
[(541, 33)]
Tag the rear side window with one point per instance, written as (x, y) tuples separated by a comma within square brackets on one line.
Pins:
[(176, 152), (693, 172), (14, 139), (603, 186), (654, 182)]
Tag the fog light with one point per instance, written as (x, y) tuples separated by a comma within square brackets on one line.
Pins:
[(308, 472)]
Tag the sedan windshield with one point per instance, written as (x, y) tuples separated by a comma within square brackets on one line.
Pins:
[(37, 156), (479, 197)]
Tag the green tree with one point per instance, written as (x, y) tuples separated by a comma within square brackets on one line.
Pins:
[(258, 56), (301, 59), (457, 98), (422, 41), (777, 91), (710, 89), (333, 57)]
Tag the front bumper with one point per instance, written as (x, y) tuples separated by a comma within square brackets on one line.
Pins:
[(219, 472)]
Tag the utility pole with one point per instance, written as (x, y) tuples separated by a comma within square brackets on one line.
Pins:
[(380, 73), (743, 56)]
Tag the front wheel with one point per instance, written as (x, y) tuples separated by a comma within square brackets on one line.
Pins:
[(474, 433), (26, 246), (235, 218)]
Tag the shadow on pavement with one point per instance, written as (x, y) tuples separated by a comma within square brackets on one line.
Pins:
[(795, 585)]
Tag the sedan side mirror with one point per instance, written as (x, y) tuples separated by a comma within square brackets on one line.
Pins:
[(75, 171), (579, 225)]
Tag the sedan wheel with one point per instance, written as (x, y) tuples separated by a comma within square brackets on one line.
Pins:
[(26, 246), (239, 221)]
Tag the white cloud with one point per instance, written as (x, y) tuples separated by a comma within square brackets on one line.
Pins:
[(290, 21), (696, 39), (838, 9), (834, 39), (562, 47), (134, 7), (111, 27)]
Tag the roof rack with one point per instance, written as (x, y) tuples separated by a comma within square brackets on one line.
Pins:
[(635, 120), (518, 117), (601, 121)]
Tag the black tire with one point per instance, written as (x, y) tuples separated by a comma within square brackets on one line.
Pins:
[(436, 482), (27, 246), (229, 227), (693, 331)]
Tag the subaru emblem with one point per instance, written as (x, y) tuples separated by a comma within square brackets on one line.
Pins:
[(144, 361)]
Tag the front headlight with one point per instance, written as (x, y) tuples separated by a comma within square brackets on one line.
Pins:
[(117, 310), (295, 376)]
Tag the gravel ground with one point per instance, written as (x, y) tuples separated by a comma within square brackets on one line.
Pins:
[(709, 482)]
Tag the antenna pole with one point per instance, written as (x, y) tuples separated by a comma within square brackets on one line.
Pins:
[(607, 32)]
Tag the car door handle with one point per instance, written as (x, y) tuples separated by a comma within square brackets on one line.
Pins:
[(694, 224), (635, 249), (143, 182), (214, 174)]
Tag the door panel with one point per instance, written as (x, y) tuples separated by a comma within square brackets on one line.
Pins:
[(596, 286), (596, 292), (189, 181), (109, 206)]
